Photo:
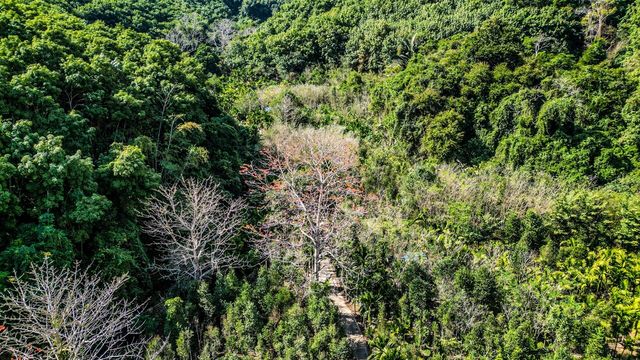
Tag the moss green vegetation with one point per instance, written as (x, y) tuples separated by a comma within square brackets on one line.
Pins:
[(499, 162)]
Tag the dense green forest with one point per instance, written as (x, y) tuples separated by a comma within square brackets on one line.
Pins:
[(221, 179)]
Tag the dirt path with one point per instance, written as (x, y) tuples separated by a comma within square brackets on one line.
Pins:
[(348, 315)]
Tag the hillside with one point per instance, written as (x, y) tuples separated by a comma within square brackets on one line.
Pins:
[(178, 177)]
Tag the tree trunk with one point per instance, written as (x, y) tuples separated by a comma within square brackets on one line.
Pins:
[(316, 262)]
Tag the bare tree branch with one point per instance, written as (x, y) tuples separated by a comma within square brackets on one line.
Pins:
[(68, 314), (221, 33), (595, 20), (194, 225), (308, 178), (188, 33)]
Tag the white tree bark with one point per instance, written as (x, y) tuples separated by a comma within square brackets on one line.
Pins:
[(188, 33), (221, 33), (68, 314), (193, 224), (308, 179)]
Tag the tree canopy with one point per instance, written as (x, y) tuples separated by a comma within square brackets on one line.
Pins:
[(466, 172)]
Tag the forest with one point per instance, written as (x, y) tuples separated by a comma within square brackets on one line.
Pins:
[(319, 179)]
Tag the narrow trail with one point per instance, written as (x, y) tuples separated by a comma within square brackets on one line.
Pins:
[(348, 314)]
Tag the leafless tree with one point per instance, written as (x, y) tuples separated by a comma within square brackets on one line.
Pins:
[(194, 224), (308, 178), (541, 42), (68, 314), (188, 33), (166, 94), (595, 20), (221, 33)]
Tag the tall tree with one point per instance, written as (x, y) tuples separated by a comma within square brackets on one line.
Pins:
[(595, 20), (194, 224), (68, 314), (188, 33), (308, 177)]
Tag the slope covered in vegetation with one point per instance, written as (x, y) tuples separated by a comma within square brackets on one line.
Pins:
[(469, 168), (502, 136)]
